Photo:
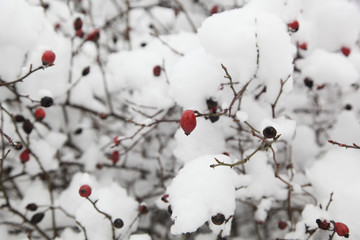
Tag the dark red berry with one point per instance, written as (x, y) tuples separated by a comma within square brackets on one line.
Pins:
[(80, 33), (48, 58), (19, 118), (25, 156), (78, 24), (188, 121), (46, 102), (341, 229), (157, 71), (94, 35), (85, 191), (218, 219), (27, 126), (323, 224), (143, 209), (31, 207), (302, 46), (39, 114), (226, 153), (282, 225), (294, 26), (116, 141), (214, 9), (346, 51), (269, 132), (118, 223), (308, 82), (164, 198), (115, 156), (85, 71), (36, 218)]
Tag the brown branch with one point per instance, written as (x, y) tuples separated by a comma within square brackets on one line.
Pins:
[(273, 106), (31, 71), (105, 215), (355, 146)]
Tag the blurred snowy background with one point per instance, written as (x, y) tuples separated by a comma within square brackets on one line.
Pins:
[(126, 70)]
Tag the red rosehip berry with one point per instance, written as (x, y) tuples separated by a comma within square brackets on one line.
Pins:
[(85, 191), (115, 156), (323, 225), (294, 25), (39, 114), (157, 71), (25, 156), (214, 9), (48, 58), (302, 45), (346, 51), (78, 24), (282, 225), (116, 141), (341, 229), (94, 35), (188, 121), (80, 33)]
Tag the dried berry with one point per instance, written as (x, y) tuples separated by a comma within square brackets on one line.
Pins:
[(143, 209), (86, 71), (28, 126), (188, 121), (348, 107), (323, 224), (218, 219), (36, 218), (214, 9), (19, 118), (308, 82), (169, 209), (31, 207), (269, 132), (46, 102), (302, 45), (18, 146), (78, 131), (80, 33), (118, 223), (85, 191)]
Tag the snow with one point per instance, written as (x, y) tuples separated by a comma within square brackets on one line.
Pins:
[(194, 194)]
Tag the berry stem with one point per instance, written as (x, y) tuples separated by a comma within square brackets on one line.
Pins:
[(106, 215), (23, 77)]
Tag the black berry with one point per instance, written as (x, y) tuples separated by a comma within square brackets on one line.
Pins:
[(211, 104), (118, 223), (214, 118), (309, 83), (19, 118), (28, 126), (85, 71), (169, 209), (269, 132), (31, 207), (348, 107), (78, 131), (218, 219), (37, 218), (46, 102)]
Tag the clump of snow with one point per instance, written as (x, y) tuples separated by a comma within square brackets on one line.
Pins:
[(242, 116), (262, 209), (194, 194), (143, 236), (326, 67)]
